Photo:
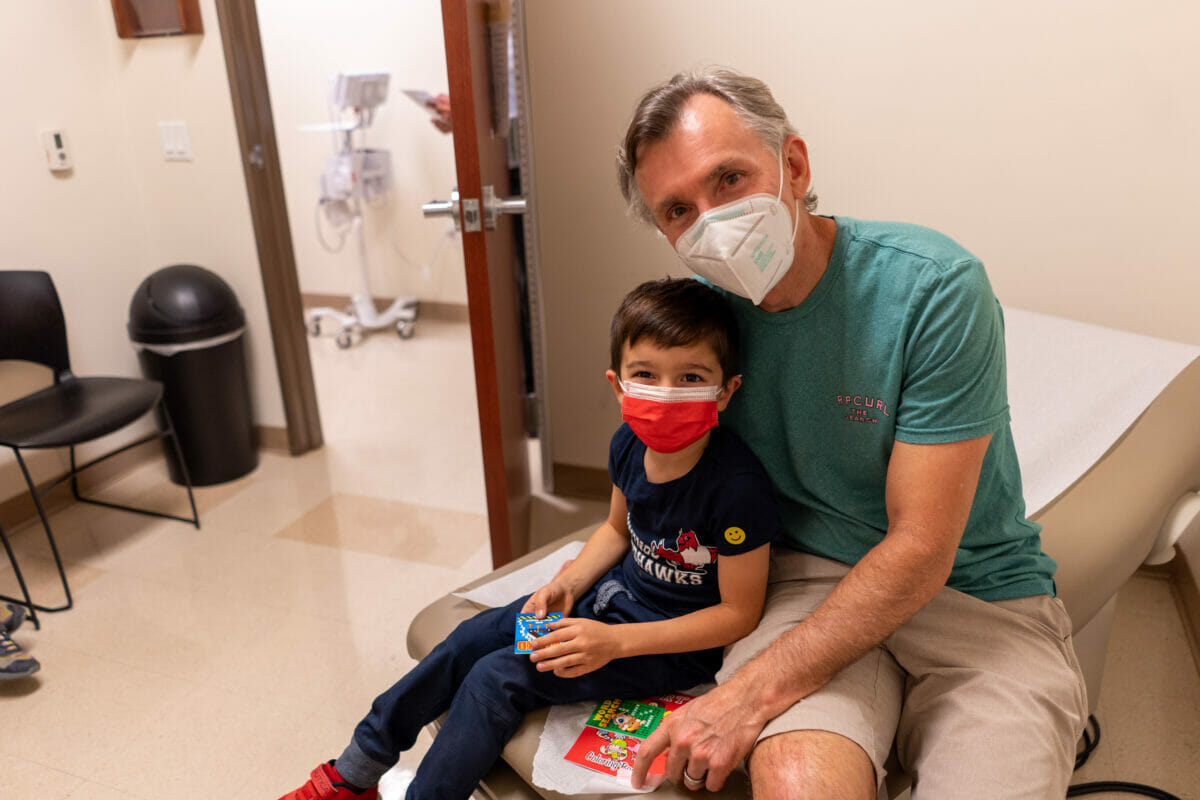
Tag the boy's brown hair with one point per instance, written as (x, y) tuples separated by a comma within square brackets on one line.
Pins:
[(677, 312)]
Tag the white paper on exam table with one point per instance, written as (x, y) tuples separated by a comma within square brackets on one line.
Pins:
[(552, 771), (529, 578), (1107, 378)]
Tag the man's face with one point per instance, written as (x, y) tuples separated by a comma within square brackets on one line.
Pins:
[(711, 158)]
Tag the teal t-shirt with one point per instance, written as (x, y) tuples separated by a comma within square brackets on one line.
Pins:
[(902, 339)]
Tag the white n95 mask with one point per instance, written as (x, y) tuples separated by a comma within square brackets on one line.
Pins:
[(744, 247)]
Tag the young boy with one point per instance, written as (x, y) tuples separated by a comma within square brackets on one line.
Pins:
[(652, 611)]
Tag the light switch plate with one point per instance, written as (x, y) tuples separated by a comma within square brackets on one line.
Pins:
[(176, 144)]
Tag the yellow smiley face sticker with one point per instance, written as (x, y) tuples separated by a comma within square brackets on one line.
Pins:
[(735, 535)]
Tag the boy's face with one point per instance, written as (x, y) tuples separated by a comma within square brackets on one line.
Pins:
[(692, 365)]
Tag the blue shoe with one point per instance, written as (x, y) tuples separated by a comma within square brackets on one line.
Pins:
[(11, 617), (15, 662)]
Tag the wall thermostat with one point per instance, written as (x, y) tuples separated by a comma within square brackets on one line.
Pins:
[(58, 158)]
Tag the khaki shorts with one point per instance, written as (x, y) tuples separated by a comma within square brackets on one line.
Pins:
[(982, 700)]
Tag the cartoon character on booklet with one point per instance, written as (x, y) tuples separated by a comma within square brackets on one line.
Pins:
[(617, 747), (627, 722)]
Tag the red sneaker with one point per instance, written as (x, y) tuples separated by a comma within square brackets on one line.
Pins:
[(326, 784)]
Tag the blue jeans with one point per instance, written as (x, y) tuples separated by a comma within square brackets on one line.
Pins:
[(487, 690)]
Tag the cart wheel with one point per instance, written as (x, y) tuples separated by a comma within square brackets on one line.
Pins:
[(405, 329), (314, 327), (344, 340)]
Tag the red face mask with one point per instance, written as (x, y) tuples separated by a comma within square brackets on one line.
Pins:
[(667, 418)]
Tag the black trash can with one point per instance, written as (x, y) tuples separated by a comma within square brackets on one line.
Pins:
[(187, 326)]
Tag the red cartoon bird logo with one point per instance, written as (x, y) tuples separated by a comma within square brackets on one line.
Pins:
[(688, 552)]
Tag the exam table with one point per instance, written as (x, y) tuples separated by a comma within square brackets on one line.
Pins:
[(1107, 430)]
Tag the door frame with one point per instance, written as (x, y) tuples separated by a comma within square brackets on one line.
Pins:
[(533, 265), (247, 71), (501, 412)]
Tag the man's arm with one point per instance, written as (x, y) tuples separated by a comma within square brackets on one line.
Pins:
[(929, 493)]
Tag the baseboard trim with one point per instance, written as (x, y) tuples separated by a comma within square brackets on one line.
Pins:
[(431, 309), (19, 509), (572, 480), (1187, 598), (271, 439)]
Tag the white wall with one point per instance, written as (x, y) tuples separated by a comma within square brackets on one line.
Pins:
[(304, 49), (123, 212), (1057, 141)]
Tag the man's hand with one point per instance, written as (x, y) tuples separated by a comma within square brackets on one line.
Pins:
[(708, 737), (576, 647)]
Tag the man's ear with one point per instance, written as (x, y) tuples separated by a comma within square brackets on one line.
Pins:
[(731, 386), (796, 170), (616, 384)]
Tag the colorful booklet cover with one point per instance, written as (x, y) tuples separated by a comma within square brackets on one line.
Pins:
[(634, 718), (609, 743), (528, 628)]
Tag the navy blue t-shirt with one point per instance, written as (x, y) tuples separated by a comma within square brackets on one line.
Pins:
[(724, 506)]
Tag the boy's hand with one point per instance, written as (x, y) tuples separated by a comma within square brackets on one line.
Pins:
[(551, 597), (576, 647)]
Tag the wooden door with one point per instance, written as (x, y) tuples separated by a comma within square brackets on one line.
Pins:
[(490, 256)]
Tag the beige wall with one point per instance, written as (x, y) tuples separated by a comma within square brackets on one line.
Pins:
[(1057, 141), (123, 211), (304, 51)]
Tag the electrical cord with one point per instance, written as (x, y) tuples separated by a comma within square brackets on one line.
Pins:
[(341, 241), (426, 266), (1097, 787), (1089, 742), (1122, 787)]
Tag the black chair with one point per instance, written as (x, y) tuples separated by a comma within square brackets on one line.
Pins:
[(72, 411)]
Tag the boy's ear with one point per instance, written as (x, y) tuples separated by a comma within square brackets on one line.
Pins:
[(612, 378), (731, 386)]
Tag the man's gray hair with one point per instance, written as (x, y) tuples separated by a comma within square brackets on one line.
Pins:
[(658, 113)]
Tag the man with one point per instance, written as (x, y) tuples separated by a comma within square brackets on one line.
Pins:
[(911, 604)]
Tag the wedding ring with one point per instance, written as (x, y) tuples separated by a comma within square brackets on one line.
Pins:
[(692, 783)]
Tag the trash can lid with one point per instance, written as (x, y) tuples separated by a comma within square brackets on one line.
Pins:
[(183, 303)]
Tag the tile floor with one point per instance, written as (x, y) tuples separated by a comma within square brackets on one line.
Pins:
[(226, 662)]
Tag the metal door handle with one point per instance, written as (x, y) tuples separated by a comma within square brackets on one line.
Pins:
[(444, 208), (467, 209), (494, 206)]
